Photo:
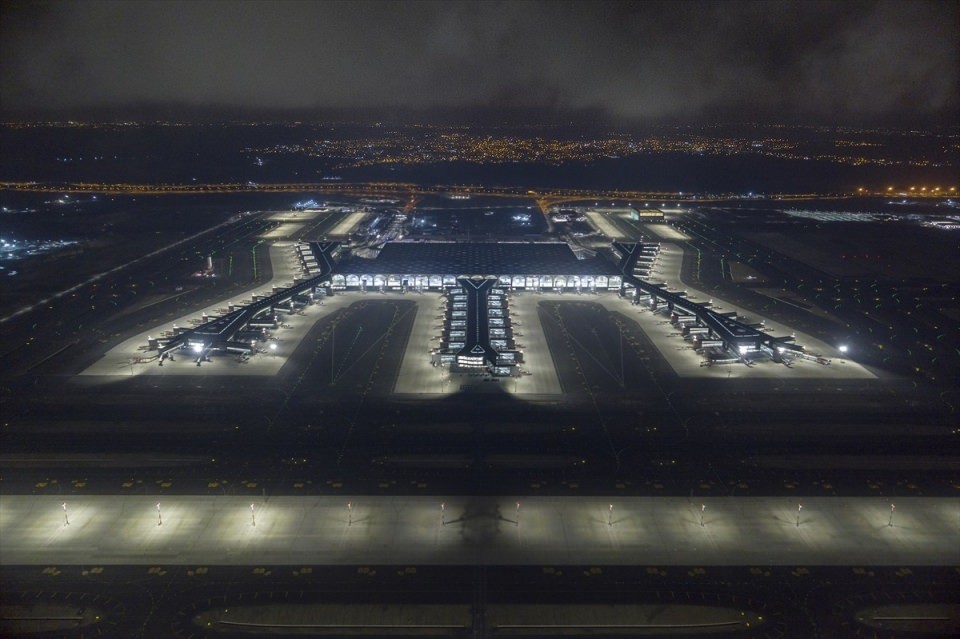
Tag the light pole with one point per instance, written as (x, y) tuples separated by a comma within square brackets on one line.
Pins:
[(349, 513), (610, 515), (159, 515), (799, 508), (892, 508), (253, 516), (66, 518), (703, 507)]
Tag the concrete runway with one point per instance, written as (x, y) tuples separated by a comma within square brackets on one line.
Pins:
[(742, 531)]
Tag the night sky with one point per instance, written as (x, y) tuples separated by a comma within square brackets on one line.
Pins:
[(832, 62)]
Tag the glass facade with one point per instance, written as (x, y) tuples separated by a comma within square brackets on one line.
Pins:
[(437, 282)]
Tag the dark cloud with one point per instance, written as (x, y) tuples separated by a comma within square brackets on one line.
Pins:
[(646, 60)]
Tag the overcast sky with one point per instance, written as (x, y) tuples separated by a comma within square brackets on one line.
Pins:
[(777, 61)]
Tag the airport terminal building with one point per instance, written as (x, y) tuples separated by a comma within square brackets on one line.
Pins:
[(476, 278), (552, 266), (477, 332)]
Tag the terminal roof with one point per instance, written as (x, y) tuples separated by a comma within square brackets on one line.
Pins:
[(472, 258)]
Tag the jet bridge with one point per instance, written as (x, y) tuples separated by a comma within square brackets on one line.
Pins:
[(219, 334), (735, 335), (476, 351)]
